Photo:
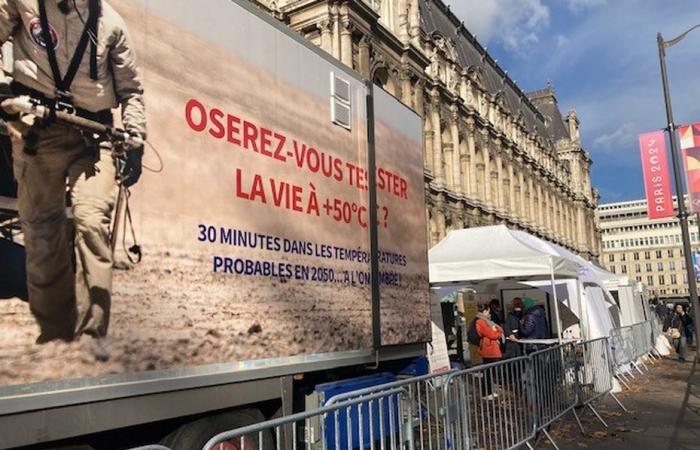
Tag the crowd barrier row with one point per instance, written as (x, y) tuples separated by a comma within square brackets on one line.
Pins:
[(632, 346), (503, 405)]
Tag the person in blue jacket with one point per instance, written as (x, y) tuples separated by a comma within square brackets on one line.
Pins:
[(533, 324)]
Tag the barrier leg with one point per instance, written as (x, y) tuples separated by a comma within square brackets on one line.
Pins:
[(617, 400), (529, 445), (578, 421), (597, 415), (623, 381), (546, 433), (636, 366)]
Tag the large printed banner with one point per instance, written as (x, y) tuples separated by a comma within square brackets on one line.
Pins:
[(690, 148), (657, 180), (255, 230)]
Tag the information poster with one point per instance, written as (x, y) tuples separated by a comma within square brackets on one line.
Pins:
[(253, 209)]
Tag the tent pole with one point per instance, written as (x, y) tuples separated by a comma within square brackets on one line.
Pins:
[(583, 311), (556, 300)]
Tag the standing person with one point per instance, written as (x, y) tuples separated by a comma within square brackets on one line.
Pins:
[(533, 324), (512, 329), (76, 56), (684, 324), (496, 312), (661, 310), (489, 346)]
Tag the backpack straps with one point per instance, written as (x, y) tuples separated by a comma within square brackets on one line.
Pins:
[(93, 20), (63, 84), (48, 43)]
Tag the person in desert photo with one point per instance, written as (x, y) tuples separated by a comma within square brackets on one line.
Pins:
[(74, 56)]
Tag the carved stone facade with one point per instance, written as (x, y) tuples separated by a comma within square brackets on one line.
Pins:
[(493, 154)]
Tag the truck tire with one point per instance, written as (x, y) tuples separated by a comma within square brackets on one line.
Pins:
[(195, 434)]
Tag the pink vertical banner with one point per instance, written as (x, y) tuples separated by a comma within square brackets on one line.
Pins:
[(690, 148), (657, 180)]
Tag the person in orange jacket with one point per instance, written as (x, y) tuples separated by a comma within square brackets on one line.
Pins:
[(489, 346)]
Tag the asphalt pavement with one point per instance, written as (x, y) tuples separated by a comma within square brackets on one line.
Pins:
[(664, 405)]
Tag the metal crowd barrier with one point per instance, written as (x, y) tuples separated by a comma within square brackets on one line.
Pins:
[(502, 405), (404, 414), (595, 376), (554, 382), (370, 421), (631, 346), (489, 406), (421, 407), (656, 331)]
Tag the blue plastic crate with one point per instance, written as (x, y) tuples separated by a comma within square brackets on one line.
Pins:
[(379, 429)]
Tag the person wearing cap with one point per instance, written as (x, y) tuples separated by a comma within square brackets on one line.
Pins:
[(76, 56), (533, 324)]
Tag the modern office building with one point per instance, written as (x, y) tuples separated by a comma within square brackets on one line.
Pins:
[(650, 251)]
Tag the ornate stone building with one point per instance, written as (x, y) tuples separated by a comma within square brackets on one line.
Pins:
[(493, 153)]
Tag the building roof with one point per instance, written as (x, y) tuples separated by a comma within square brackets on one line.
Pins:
[(546, 102), (437, 17)]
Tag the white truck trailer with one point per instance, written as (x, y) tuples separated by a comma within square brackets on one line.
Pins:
[(281, 218)]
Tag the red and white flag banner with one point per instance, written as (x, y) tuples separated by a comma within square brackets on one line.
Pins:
[(657, 180), (690, 148)]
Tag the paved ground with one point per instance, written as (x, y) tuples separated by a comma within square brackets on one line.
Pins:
[(664, 406)]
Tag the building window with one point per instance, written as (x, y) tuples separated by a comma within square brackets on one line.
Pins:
[(658, 254), (623, 257), (611, 258), (637, 268), (671, 265), (636, 256), (650, 280), (670, 251), (662, 280), (612, 269), (624, 268), (648, 267), (639, 279), (647, 255), (660, 266), (674, 280)]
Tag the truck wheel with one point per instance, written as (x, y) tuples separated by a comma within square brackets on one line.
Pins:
[(195, 434)]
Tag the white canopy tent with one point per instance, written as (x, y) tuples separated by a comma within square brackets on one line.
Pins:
[(499, 253), (493, 252), (496, 253), (629, 294), (586, 295)]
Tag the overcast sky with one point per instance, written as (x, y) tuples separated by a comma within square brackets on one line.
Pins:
[(601, 57)]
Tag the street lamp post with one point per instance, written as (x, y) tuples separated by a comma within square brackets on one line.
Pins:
[(675, 158)]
